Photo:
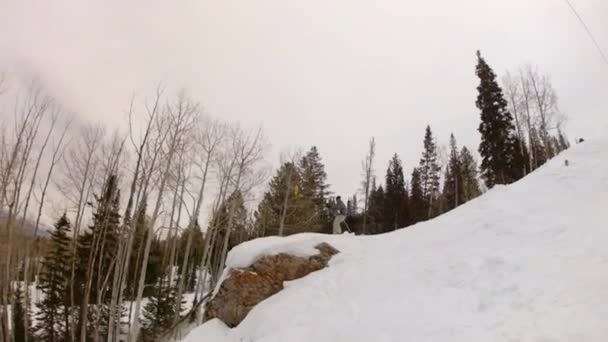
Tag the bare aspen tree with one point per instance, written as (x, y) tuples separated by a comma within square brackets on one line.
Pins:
[(538, 114), (58, 150), (26, 263), (180, 285), (182, 115), (545, 99), (208, 139), (3, 155), (110, 162), (174, 223), (526, 92), (368, 176), (79, 168), (27, 117), (225, 167), (512, 89), (247, 150), (139, 177)]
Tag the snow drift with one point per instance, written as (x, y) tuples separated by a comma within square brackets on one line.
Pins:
[(525, 262)]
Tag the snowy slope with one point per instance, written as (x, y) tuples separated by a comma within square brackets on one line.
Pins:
[(526, 262)]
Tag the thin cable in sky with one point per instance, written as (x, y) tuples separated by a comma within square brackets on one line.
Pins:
[(588, 31)]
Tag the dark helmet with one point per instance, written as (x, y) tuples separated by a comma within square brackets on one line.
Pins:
[(338, 198)]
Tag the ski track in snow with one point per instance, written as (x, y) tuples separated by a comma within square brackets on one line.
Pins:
[(525, 262)]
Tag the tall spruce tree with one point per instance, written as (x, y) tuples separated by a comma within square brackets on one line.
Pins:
[(349, 208), (417, 203), (468, 168), (96, 254), (396, 197), (314, 188), (284, 200), (499, 148), (196, 254), (19, 316), (563, 142), (452, 187), (159, 313), (53, 317), (538, 150), (376, 210), (429, 172)]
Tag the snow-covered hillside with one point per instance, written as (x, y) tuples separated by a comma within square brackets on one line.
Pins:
[(525, 262)]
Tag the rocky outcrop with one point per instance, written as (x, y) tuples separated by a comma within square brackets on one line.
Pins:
[(246, 287)]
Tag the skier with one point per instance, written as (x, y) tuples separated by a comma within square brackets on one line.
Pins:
[(340, 215)]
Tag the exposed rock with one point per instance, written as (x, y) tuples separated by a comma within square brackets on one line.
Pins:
[(244, 288)]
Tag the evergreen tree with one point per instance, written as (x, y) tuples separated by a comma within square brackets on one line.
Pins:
[(563, 142), (429, 172), (417, 203), (468, 169), (396, 197), (538, 149), (499, 146), (556, 145), (314, 189), (349, 208), (299, 208), (97, 249), (519, 167), (195, 257), (376, 210), (159, 313), (53, 315), (18, 313), (452, 187)]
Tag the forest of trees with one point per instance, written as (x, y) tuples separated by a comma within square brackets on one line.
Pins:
[(128, 236)]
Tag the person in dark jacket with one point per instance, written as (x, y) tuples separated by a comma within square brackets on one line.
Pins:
[(340, 215)]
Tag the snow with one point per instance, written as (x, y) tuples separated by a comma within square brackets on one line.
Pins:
[(525, 262)]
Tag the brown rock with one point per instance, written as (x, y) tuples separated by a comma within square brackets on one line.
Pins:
[(245, 288)]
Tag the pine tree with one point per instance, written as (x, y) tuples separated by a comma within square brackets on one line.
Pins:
[(499, 146), (284, 195), (18, 312), (429, 172), (159, 313), (196, 254), (314, 189), (396, 197), (97, 250), (452, 187), (538, 149), (417, 203), (53, 315), (468, 167), (376, 210), (519, 165), (563, 142)]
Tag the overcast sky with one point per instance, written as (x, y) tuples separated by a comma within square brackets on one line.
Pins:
[(330, 73)]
